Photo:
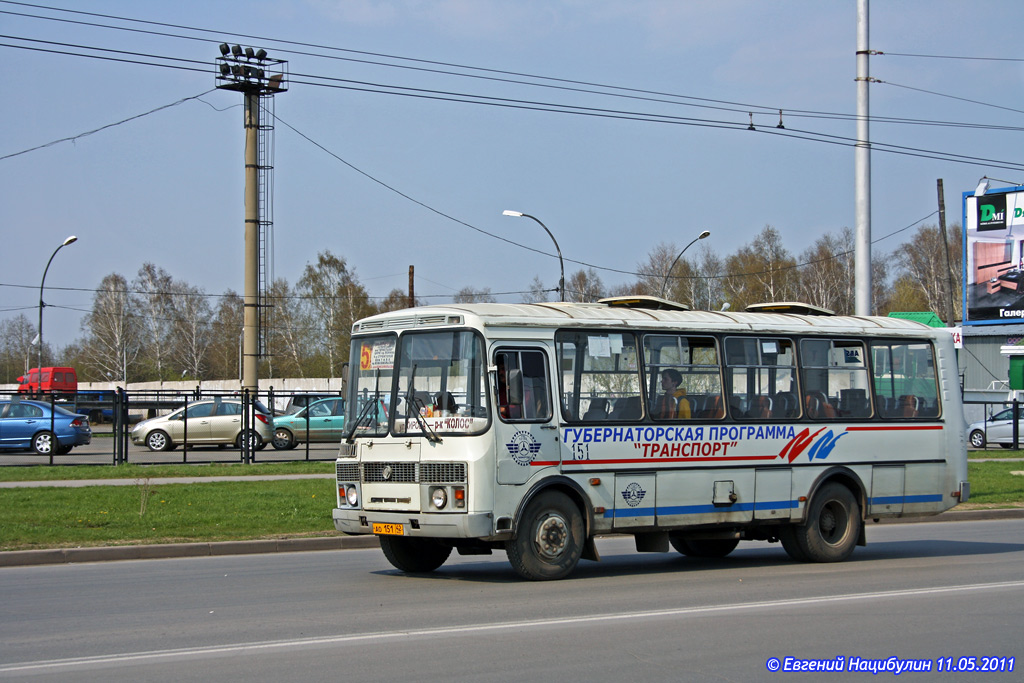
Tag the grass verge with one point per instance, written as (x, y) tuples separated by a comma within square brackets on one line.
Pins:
[(54, 517), (995, 454)]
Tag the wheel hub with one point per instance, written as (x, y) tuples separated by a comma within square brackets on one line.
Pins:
[(552, 534), (828, 524)]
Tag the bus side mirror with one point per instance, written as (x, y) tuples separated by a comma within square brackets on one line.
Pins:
[(515, 387)]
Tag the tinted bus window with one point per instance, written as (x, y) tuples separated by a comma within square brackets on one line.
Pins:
[(600, 376), (904, 379), (761, 378), (835, 379), (684, 379)]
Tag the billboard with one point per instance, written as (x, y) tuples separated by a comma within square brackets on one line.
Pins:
[(994, 256)]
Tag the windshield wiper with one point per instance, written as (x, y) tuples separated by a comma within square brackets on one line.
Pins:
[(412, 405), (364, 413)]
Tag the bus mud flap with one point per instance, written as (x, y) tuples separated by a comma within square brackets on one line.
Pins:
[(590, 551), (654, 542)]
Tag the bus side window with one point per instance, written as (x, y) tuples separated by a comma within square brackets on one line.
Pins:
[(522, 385)]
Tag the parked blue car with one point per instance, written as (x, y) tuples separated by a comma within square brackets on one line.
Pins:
[(33, 425)]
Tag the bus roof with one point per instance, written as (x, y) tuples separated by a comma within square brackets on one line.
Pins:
[(602, 315)]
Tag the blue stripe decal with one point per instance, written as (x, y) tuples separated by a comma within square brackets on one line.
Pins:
[(894, 500), (777, 505), (700, 509), (747, 507)]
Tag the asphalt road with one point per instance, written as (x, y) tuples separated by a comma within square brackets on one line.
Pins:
[(917, 591)]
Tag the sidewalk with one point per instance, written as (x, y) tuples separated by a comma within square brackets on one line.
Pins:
[(156, 481)]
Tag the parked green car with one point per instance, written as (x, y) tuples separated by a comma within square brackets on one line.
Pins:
[(326, 422)]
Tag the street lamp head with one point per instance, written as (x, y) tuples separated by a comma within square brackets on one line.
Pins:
[(982, 187), (507, 212), (69, 240), (704, 234)]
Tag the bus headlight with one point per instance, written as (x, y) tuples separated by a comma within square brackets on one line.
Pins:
[(439, 497), (352, 495)]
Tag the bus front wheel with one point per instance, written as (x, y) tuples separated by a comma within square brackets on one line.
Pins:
[(832, 527), (549, 540), (414, 555)]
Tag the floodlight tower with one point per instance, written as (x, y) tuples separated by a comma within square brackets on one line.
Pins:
[(258, 78)]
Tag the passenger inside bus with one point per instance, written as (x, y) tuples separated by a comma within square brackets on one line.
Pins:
[(672, 405)]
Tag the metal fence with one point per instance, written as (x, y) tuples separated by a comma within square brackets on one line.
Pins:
[(996, 432), (114, 414)]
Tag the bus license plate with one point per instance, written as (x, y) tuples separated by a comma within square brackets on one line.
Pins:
[(389, 529)]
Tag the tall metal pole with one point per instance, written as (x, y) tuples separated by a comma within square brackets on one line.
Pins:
[(252, 73), (250, 320), (561, 263), (39, 368), (862, 171), (664, 284)]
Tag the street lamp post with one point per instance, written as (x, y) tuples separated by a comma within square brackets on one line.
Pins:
[(664, 284), (39, 368), (561, 263)]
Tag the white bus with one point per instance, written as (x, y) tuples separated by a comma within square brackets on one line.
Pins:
[(535, 428)]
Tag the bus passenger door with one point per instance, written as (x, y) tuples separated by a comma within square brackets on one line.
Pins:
[(526, 434)]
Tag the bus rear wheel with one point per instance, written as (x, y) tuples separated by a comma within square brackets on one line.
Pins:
[(549, 539), (414, 555), (704, 547), (832, 527)]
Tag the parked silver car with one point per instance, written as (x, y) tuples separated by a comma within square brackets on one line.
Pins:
[(209, 422), (998, 429)]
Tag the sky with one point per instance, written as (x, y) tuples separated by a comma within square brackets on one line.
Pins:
[(387, 181)]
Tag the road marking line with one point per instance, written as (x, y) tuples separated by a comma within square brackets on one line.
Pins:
[(154, 655)]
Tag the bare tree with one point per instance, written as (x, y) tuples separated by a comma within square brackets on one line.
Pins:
[(469, 295), (226, 338), (761, 271), (923, 260), (292, 332), (536, 294), (827, 272), (16, 347), (191, 333), (584, 286), (338, 300), (152, 298), (653, 272), (113, 330), (396, 300)]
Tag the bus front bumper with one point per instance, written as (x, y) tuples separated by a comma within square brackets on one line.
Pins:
[(424, 525)]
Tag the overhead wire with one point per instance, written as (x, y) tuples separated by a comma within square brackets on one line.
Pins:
[(573, 109), (547, 81), (493, 101)]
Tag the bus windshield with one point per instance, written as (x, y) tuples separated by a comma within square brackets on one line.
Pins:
[(435, 380)]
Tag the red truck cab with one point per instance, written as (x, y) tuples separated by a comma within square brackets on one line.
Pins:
[(53, 380)]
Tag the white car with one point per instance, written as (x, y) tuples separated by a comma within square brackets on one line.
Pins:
[(997, 429)]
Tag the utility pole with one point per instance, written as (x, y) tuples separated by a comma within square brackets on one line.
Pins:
[(256, 76), (950, 308), (862, 171), (412, 291)]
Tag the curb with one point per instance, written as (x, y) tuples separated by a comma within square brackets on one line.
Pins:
[(25, 558), (960, 516)]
